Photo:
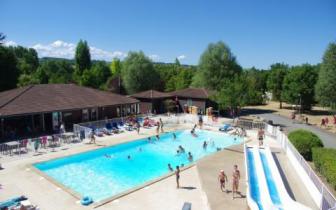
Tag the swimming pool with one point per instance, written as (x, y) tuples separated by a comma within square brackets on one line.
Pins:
[(106, 172)]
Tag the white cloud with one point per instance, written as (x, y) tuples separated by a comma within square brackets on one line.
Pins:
[(10, 43), (61, 49), (154, 57), (181, 57)]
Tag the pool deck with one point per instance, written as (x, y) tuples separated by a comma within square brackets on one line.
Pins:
[(19, 178), (200, 181), (209, 167)]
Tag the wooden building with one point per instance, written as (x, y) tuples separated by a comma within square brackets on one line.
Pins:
[(152, 101), (41, 108)]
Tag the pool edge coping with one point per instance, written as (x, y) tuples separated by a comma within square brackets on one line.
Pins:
[(122, 194)]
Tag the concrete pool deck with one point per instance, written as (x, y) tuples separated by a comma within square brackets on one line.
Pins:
[(200, 181), (209, 167), (19, 178)]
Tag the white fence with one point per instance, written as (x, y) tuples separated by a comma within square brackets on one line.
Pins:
[(323, 198)]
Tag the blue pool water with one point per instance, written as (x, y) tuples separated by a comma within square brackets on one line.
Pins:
[(95, 175), (253, 179), (270, 182)]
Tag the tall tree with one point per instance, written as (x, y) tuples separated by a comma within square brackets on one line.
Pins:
[(217, 63), (115, 67), (9, 72), (326, 83), (82, 57), (275, 80), (138, 73), (299, 84), (2, 38)]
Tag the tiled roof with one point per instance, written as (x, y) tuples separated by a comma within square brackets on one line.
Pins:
[(151, 94), (56, 97), (199, 93)]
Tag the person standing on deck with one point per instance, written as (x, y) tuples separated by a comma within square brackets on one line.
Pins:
[(158, 127), (235, 180), (177, 174), (222, 178), (161, 125), (261, 136)]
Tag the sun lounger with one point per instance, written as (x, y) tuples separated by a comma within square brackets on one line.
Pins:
[(226, 128), (186, 206), (12, 202)]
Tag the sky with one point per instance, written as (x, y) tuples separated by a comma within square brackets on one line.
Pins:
[(259, 32)]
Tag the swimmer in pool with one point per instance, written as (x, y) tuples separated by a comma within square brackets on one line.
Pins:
[(190, 157), (205, 145), (170, 168)]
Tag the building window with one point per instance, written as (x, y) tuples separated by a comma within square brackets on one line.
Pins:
[(118, 111), (94, 113), (189, 102), (85, 115)]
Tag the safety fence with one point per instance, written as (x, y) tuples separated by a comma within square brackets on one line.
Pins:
[(250, 124), (324, 199)]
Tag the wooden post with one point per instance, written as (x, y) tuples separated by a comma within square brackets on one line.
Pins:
[(33, 124), (2, 127), (43, 122)]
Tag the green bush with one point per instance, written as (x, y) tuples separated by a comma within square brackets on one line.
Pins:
[(325, 162), (304, 141)]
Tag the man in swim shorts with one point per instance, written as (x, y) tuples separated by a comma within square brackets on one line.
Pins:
[(222, 178), (261, 135)]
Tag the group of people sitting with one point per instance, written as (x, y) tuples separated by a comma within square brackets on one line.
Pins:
[(233, 130)]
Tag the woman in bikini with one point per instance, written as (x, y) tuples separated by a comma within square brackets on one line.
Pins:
[(222, 178), (235, 180)]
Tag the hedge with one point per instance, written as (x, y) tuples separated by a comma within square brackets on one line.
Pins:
[(304, 141), (325, 162)]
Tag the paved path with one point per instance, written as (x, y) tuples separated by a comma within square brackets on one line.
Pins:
[(328, 139)]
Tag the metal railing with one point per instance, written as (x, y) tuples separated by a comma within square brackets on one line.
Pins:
[(328, 200), (250, 124)]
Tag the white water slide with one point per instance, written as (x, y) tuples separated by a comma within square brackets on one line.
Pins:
[(266, 190)]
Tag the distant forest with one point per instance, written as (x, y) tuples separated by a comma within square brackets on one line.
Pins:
[(218, 70)]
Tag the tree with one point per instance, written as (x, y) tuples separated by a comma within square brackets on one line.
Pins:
[(26, 79), (9, 72), (216, 64), (177, 62), (138, 73), (54, 71), (184, 78), (27, 58), (298, 86), (115, 67), (2, 38), (82, 58), (275, 80), (97, 76), (232, 94), (326, 83)]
